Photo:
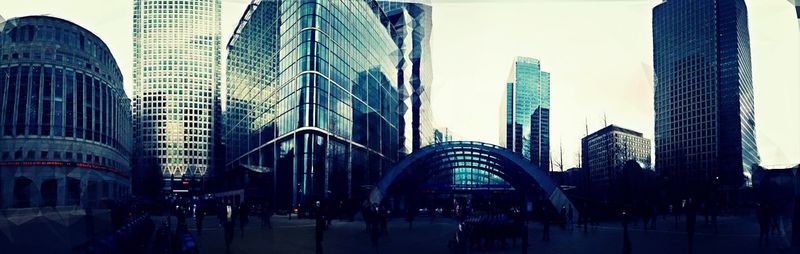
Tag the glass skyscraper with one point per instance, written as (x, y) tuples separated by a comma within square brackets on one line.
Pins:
[(65, 120), (412, 21), (525, 112), (176, 76), (313, 97), (705, 124)]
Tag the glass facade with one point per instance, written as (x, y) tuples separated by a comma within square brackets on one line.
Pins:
[(176, 77), (525, 112), (705, 123), (412, 21), (64, 115), (319, 114)]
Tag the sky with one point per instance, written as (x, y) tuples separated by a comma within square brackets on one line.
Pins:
[(599, 54)]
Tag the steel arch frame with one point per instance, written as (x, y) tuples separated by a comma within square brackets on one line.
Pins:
[(515, 169)]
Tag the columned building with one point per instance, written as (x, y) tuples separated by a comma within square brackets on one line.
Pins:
[(525, 112), (65, 120), (704, 115), (313, 98), (605, 152), (176, 80), (412, 21)]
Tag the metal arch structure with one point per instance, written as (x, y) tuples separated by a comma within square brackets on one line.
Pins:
[(512, 167)]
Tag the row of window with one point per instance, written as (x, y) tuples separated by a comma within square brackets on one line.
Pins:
[(61, 102)]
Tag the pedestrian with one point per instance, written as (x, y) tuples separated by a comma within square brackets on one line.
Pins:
[(691, 221), (227, 218), (563, 217), (545, 224), (410, 217), (763, 221), (570, 215), (199, 215), (319, 228), (375, 235), (244, 217), (266, 216)]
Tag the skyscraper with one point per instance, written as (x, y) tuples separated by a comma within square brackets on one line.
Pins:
[(705, 124), (313, 97), (176, 76), (525, 112), (65, 120), (412, 21)]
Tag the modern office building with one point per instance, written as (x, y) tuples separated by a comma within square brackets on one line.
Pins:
[(525, 112), (412, 22), (319, 115), (176, 80), (704, 116), (65, 120), (605, 152)]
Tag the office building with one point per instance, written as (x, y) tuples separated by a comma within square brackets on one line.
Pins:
[(704, 115), (65, 120), (319, 114), (605, 152), (176, 81), (525, 112)]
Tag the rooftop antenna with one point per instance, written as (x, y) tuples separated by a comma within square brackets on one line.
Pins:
[(586, 124), (605, 120)]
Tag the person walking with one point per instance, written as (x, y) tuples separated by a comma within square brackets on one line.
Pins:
[(199, 215), (375, 235), (266, 216), (691, 221), (545, 224), (319, 228), (244, 217), (227, 218), (570, 216), (763, 221)]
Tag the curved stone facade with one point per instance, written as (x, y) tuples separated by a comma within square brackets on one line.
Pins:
[(65, 120)]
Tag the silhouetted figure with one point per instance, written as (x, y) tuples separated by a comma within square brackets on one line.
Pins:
[(562, 216), (266, 216), (244, 217), (410, 217), (199, 215), (227, 217), (691, 221), (570, 215), (545, 224), (626, 240), (319, 228), (375, 235), (762, 212)]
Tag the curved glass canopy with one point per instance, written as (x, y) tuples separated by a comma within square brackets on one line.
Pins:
[(449, 157)]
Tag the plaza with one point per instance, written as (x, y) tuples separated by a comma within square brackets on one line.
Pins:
[(736, 235)]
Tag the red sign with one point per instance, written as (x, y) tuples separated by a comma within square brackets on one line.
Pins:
[(63, 164)]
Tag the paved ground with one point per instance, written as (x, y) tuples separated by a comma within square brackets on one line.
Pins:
[(736, 235)]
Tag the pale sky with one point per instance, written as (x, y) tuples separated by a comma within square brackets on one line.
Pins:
[(599, 54)]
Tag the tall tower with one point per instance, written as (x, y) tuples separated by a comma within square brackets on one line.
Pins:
[(176, 75), (412, 20), (705, 124), (526, 112)]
